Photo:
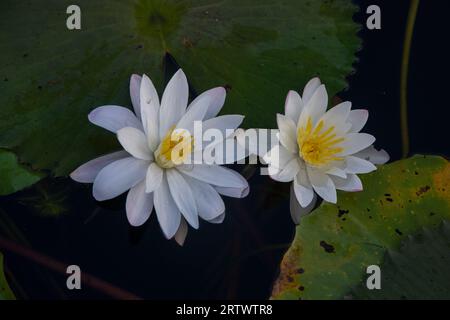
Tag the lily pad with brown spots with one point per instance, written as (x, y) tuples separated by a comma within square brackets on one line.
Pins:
[(336, 243)]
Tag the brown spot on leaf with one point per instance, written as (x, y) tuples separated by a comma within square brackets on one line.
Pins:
[(327, 247), (423, 190)]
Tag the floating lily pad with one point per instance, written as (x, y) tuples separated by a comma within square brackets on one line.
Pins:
[(418, 270), (5, 291), (14, 176), (336, 243), (51, 77)]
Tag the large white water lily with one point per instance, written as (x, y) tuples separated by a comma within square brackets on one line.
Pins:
[(319, 150), (155, 175)]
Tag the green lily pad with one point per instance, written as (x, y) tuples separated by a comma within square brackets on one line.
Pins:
[(14, 176), (336, 243), (5, 291), (418, 270), (51, 77)]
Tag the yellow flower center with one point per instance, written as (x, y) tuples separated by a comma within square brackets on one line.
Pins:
[(318, 146), (174, 149)]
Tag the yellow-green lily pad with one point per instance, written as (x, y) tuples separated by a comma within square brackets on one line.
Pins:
[(336, 243)]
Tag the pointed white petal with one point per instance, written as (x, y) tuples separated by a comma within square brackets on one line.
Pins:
[(209, 203), (118, 177), (114, 118), (351, 184), (355, 142), (278, 156), (87, 172), (182, 231), (358, 165), (309, 89), (139, 205), (288, 133), (173, 103), (303, 189), (287, 173), (183, 197), (373, 155), (293, 106), (337, 114), (149, 102), (218, 220), (215, 175), (216, 97), (167, 212), (196, 112), (297, 211), (358, 119), (240, 192), (134, 142), (226, 124), (135, 88), (315, 107), (322, 184), (338, 172), (153, 177)]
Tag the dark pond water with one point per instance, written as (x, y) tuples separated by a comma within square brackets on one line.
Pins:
[(239, 258)]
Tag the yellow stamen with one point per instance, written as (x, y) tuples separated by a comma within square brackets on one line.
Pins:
[(174, 149), (318, 146)]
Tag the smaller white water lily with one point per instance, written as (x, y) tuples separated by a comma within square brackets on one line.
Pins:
[(153, 165), (319, 150)]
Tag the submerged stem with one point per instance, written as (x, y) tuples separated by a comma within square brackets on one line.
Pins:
[(404, 76)]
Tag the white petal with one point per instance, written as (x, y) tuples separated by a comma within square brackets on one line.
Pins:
[(278, 156), (134, 142), (149, 102), (87, 172), (338, 172), (215, 175), (288, 133), (216, 97), (358, 165), (373, 155), (118, 177), (135, 88), (322, 184), (218, 220), (355, 142), (241, 192), (297, 211), (293, 106), (358, 119), (167, 212), (139, 205), (226, 124), (287, 173), (351, 184), (183, 197), (196, 112), (338, 114), (209, 203), (315, 107), (309, 89), (114, 118), (182, 231), (153, 178), (226, 152), (303, 189), (173, 103)]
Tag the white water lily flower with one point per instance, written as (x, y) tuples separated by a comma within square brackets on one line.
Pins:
[(147, 168), (319, 150)]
